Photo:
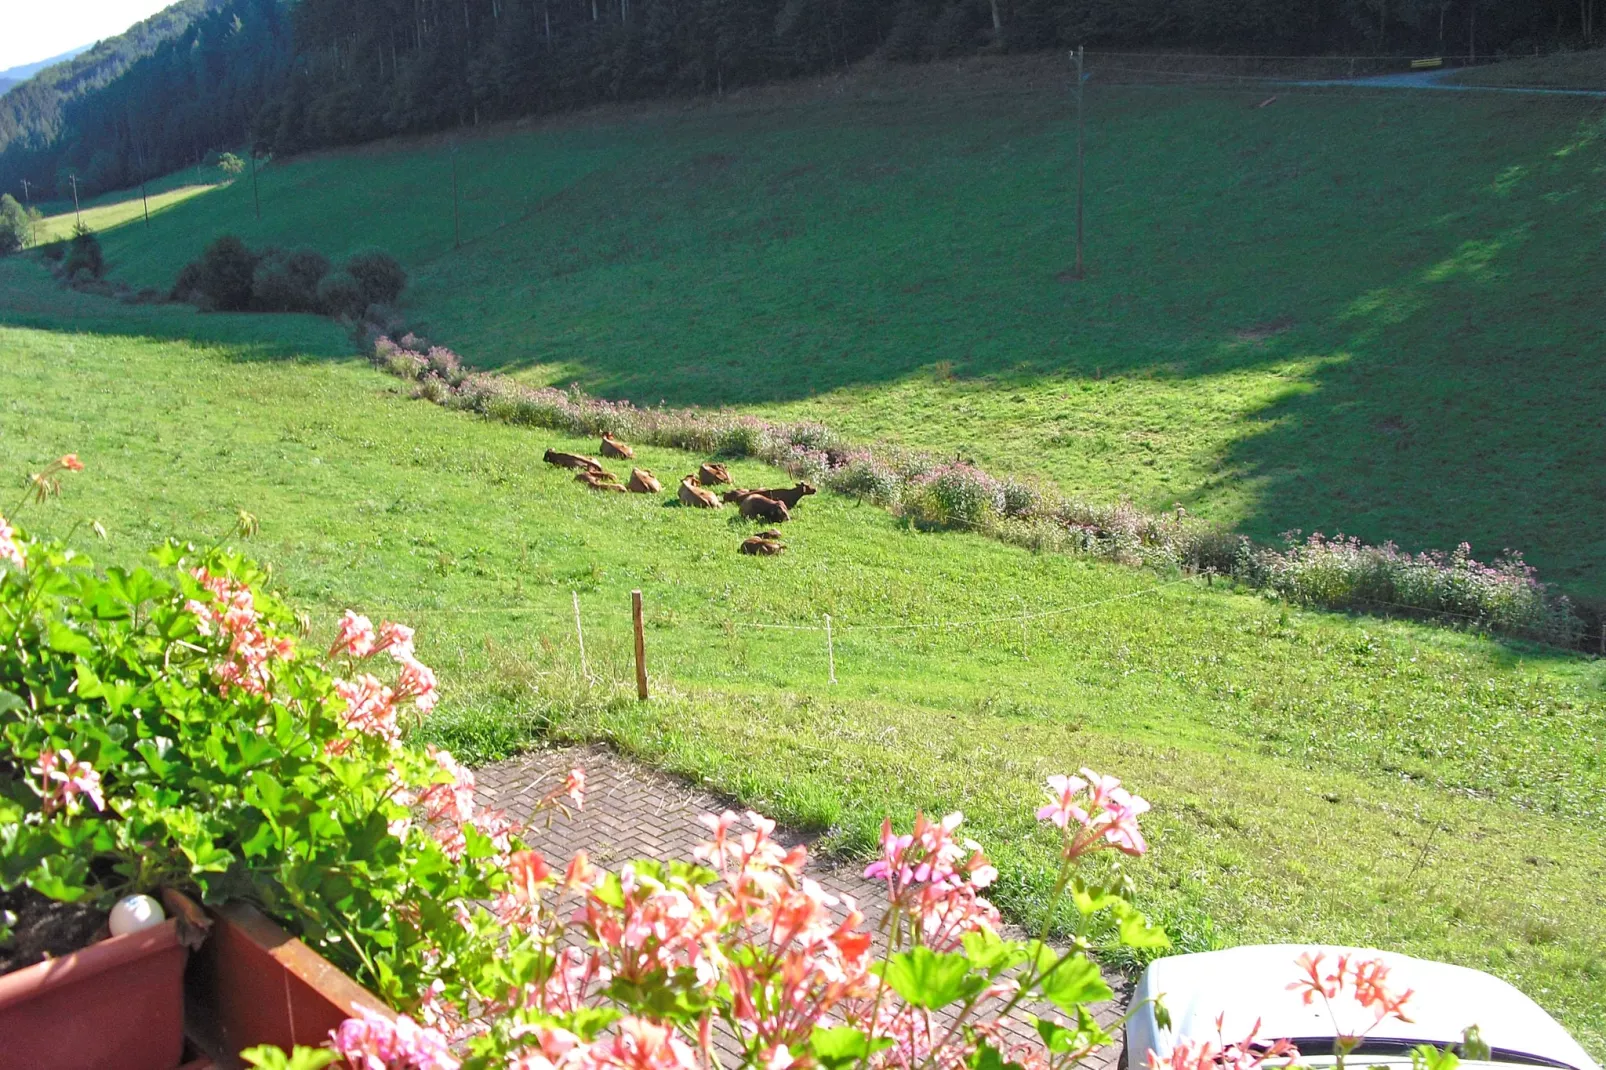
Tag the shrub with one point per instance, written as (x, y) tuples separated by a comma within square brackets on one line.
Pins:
[(380, 275), (187, 287), (961, 495), (288, 282), (84, 258), (340, 295), (14, 225), (221, 279)]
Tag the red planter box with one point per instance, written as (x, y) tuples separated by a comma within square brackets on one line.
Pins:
[(253, 983), (115, 1005), (129, 1003)]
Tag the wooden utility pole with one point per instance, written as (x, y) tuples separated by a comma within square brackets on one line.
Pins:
[(76, 218), (27, 200), (641, 646), (457, 229), (1079, 132), (256, 201)]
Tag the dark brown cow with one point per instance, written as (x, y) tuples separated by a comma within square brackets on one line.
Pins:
[(612, 447), (692, 493), (601, 481), (758, 547), (790, 496), (643, 482), (711, 474), (572, 460), (758, 507), (735, 495)]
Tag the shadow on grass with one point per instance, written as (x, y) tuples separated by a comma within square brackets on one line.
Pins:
[(1418, 260), (31, 297)]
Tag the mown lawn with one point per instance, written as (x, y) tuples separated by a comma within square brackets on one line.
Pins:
[(1373, 312), (1315, 777)]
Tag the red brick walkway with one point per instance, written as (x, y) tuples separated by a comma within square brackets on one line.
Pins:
[(635, 812)]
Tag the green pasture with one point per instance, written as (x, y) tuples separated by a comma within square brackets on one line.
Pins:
[(1315, 777)]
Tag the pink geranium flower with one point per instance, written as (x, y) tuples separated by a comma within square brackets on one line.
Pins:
[(355, 636), (10, 549), (62, 778), (1094, 811)]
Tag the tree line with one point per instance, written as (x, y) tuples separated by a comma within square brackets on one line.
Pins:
[(291, 75)]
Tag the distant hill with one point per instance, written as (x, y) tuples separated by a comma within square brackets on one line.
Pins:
[(31, 114), (25, 71), (6, 84)]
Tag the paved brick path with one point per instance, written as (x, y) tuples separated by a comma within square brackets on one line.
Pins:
[(635, 812)]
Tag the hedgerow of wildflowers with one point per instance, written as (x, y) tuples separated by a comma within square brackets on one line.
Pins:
[(1503, 595)]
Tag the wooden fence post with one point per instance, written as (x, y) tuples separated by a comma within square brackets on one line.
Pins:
[(585, 670), (830, 649), (641, 647)]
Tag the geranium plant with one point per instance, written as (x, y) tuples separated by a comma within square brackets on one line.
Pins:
[(741, 959), (163, 727)]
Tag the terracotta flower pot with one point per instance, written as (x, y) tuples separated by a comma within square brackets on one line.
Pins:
[(115, 1005), (253, 983)]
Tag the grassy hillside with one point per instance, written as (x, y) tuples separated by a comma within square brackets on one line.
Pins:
[(1374, 312), (1312, 774), (1562, 70)]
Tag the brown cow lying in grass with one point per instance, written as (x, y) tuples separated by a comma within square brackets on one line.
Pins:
[(758, 507), (789, 496), (692, 493), (601, 481), (711, 474), (572, 460), (612, 447), (643, 482), (761, 547)]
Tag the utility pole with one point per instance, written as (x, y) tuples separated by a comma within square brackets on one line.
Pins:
[(1079, 170), (457, 230), (27, 201), (76, 218), (255, 200)]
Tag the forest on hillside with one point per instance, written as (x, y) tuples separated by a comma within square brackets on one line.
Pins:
[(291, 75)]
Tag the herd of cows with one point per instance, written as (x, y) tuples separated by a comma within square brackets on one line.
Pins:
[(773, 505)]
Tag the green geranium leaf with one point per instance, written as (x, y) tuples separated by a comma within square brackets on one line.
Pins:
[(925, 978), (843, 1046), (1073, 982)]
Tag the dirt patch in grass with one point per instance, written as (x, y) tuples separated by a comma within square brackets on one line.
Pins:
[(1262, 331)]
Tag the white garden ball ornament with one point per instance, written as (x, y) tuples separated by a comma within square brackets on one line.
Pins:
[(135, 913)]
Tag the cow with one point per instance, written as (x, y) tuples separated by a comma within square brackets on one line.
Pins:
[(735, 495), (642, 482), (712, 474), (612, 447), (692, 493), (758, 507), (788, 496), (758, 547), (769, 534), (572, 460), (601, 481)]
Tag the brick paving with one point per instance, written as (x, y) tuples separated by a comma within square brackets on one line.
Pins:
[(635, 812)]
